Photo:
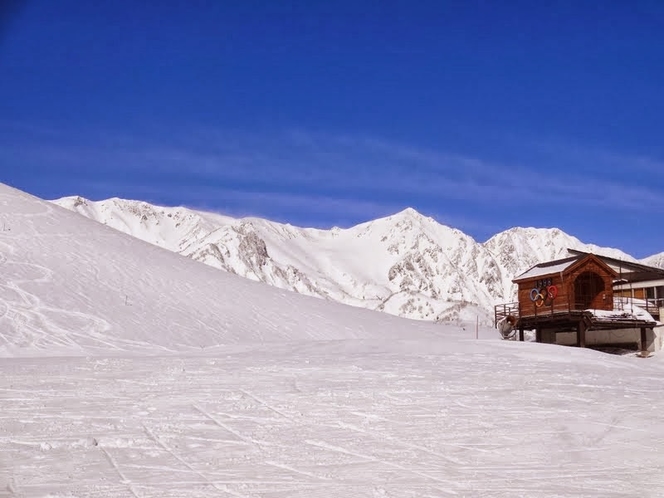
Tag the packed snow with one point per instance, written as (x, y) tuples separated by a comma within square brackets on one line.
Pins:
[(130, 371)]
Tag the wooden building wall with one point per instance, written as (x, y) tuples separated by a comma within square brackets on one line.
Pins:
[(565, 284), (528, 307), (603, 300)]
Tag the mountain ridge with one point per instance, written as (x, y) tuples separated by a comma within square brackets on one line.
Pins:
[(405, 264)]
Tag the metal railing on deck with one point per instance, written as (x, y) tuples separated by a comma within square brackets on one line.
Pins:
[(652, 306)]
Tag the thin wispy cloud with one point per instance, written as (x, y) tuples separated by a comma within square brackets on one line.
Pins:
[(586, 157), (320, 179)]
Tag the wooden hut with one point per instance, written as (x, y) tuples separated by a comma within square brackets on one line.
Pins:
[(637, 283), (574, 283), (570, 294)]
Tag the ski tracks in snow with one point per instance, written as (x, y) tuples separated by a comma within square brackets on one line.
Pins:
[(31, 323), (267, 424)]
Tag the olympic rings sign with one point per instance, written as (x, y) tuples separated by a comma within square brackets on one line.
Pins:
[(537, 297), (540, 296)]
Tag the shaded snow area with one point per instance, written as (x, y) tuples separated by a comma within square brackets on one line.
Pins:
[(130, 371)]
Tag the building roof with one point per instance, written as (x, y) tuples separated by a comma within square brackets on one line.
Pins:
[(628, 270), (548, 268)]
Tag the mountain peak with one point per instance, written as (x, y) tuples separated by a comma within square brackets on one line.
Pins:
[(654, 260), (409, 213)]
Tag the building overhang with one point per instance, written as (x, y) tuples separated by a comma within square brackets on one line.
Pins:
[(645, 284)]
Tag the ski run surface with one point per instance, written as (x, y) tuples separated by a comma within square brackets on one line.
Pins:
[(127, 370)]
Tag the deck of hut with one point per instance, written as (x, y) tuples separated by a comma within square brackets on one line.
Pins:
[(574, 294)]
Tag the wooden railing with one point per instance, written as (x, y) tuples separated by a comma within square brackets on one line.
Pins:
[(557, 306), (529, 309), (501, 311)]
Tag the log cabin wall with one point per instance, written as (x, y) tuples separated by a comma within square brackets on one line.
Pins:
[(588, 285), (598, 294), (528, 307)]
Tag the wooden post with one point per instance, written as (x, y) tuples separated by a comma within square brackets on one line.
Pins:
[(644, 339), (538, 334), (521, 332), (581, 334)]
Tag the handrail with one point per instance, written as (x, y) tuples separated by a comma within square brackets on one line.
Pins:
[(515, 309), (651, 306), (504, 310)]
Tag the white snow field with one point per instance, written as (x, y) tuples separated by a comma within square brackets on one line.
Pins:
[(127, 370)]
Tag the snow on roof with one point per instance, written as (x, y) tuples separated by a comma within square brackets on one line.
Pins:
[(547, 268)]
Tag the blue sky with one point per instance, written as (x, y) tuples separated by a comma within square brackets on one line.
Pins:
[(483, 115)]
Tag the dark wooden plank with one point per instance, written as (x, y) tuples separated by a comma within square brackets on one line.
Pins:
[(581, 334)]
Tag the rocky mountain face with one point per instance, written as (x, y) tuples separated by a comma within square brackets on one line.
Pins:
[(406, 264), (518, 249)]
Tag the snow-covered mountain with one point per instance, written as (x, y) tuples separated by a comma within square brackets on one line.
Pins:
[(406, 264), (656, 260), (518, 249)]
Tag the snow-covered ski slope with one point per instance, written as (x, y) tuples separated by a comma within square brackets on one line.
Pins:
[(130, 371), (73, 285)]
